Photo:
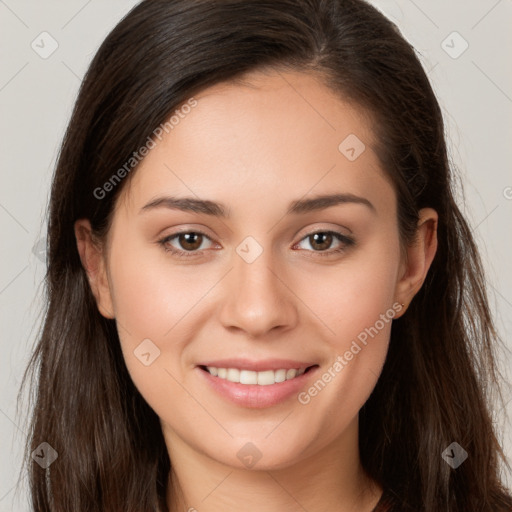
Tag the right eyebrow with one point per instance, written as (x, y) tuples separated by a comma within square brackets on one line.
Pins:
[(187, 204)]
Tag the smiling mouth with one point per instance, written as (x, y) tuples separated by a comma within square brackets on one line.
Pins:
[(262, 378)]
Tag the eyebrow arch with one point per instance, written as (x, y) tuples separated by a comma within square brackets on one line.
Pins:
[(325, 201), (187, 204), (219, 210)]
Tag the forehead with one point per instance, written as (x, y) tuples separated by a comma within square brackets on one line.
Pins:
[(273, 111), (276, 132)]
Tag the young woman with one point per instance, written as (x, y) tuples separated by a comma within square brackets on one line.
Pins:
[(261, 292)]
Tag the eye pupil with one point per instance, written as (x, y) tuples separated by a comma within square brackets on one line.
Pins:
[(322, 239), (190, 241)]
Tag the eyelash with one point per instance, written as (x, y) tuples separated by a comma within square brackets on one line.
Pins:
[(345, 240)]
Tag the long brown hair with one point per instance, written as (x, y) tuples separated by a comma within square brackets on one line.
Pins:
[(436, 384)]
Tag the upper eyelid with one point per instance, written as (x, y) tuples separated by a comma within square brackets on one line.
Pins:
[(309, 232)]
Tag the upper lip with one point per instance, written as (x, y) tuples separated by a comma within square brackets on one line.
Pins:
[(258, 366)]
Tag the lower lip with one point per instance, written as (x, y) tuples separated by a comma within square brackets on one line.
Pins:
[(256, 396)]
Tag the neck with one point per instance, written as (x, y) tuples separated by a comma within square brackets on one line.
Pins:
[(331, 479)]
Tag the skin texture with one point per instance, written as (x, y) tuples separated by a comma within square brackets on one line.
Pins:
[(256, 147)]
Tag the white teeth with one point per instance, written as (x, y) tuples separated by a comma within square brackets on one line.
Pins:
[(247, 377), (290, 374), (280, 375), (264, 378), (233, 375)]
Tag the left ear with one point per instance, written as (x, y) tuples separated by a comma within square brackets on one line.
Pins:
[(419, 256)]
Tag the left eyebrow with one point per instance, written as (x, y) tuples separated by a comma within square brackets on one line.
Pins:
[(326, 201)]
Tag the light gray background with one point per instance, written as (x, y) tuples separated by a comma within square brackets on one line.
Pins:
[(36, 97)]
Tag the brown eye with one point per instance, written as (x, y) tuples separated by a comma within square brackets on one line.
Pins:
[(321, 240), (326, 243), (187, 243), (190, 241)]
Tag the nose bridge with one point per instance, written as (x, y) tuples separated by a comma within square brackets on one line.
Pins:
[(257, 300)]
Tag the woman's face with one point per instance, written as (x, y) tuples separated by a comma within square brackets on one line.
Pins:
[(248, 285)]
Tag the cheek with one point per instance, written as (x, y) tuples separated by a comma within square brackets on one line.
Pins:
[(351, 296), (354, 304), (153, 300), (152, 295), (153, 303)]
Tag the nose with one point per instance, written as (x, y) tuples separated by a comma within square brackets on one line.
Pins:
[(258, 297)]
